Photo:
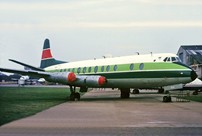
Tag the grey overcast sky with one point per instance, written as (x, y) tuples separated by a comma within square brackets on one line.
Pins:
[(87, 29)]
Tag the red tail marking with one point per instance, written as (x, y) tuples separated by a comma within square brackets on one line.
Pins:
[(46, 54)]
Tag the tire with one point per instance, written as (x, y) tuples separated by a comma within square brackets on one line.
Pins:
[(125, 94), (136, 91), (77, 97), (72, 97), (161, 91), (165, 98), (169, 99), (195, 93)]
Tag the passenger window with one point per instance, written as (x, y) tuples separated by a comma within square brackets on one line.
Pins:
[(173, 59), (115, 67), (102, 68), (69, 70), (78, 70), (73, 70), (141, 66), (108, 68), (96, 69), (89, 69), (84, 70), (132, 66)]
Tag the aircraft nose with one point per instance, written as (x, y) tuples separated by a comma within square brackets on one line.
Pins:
[(193, 75)]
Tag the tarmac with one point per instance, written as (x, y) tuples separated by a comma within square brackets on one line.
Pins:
[(103, 113)]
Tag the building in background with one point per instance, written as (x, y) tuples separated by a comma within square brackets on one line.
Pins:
[(191, 55)]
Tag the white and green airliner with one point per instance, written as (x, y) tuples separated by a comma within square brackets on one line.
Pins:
[(125, 73)]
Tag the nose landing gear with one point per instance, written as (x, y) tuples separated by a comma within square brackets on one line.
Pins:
[(167, 99), (74, 96)]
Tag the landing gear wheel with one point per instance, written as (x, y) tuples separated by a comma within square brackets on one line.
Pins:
[(195, 92), (71, 97), (74, 96), (77, 96), (136, 91), (161, 91), (167, 99), (125, 93)]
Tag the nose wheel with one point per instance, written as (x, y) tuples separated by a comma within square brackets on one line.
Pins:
[(74, 96), (167, 99)]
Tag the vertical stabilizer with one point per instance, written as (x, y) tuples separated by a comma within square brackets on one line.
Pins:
[(47, 57)]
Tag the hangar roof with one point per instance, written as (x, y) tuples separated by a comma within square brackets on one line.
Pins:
[(194, 50)]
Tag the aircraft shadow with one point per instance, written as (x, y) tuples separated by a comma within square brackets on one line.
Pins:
[(137, 99)]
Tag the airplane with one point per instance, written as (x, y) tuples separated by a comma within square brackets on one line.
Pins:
[(124, 73), (195, 85), (25, 80)]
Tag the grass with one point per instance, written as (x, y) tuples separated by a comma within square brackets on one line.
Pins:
[(20, 102), (197, 98)]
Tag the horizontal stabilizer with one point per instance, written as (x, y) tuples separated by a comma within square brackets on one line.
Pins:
[(26, 65), (26, 72)]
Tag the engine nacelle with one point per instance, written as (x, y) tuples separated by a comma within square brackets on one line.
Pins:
[(90, 80), (62, 77)]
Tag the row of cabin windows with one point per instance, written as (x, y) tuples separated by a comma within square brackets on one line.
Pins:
[(79, 70)]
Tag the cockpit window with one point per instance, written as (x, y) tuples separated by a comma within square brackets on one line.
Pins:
[(172, 59), (165, 59), (178, 59)]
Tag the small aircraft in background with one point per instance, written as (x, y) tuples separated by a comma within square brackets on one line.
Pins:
[(26, 80), (195, 85)]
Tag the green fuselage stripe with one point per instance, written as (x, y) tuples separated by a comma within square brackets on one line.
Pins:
[(140, 70), (145, 74)]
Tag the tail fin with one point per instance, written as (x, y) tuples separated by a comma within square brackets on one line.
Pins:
[(47, 58)]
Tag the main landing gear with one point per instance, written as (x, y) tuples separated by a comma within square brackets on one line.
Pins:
[(195, 92), (160, 90), (125, 93), (136, 91), (74, 96), (167, 99)]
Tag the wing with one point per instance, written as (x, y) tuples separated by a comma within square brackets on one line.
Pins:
[(26, 72), (67, 78)]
